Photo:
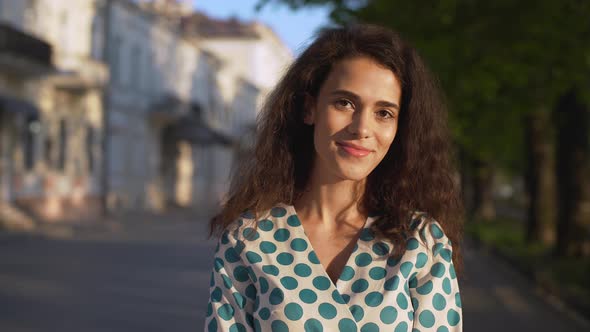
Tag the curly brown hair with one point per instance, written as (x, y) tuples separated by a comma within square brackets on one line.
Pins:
[(417, 173)]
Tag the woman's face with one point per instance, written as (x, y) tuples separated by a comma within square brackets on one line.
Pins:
[(355, 117)]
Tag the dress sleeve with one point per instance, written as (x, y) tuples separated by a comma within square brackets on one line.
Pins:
[(435, 289), (232, 292)]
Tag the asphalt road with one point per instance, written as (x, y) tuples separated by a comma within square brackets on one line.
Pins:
[(154, 276)]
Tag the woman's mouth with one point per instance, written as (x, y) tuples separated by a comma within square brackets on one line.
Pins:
[(354, 150)]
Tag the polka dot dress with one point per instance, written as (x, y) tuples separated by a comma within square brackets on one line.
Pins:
[(270, 279)]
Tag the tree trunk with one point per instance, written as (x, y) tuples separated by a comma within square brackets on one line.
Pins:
[(484, 207), (572, 120), (540, 179)]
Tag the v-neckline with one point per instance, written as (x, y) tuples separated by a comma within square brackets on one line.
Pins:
[(303, 233)]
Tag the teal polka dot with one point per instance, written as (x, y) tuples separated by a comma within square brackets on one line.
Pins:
[(412, 244), (337, 298), (346, 298), (442, 329), (293, 221), (239, 247), (298, 244), (265, 225), (453, 317), (357, 312), (216, 295), (388, 315), (225, 237), (421, 260), (212, 327), (209, 309), (405, 268), (437, 249), (212, 280), (276, 296), (279, 326), (446, 285), (247, 214), (402, 301), (241, 273), (308, 296), (240, 299), (218, 264), (446, 254), (237, 327), (264, 313), (289, 282), (360, 286), (452, 272), (321, 283), (439, 302), (373, 299), (282, 234), (271, 269), (231, 256), (256, 303), (392, 283), (347, 273), (426, 318), (253, 257), (312, 257), (327, 310), (401, 327), (278, 212), (346, 325), (370, 327), (437, 270), (285, 258), (293, 311), (250, 233), (367, 234), (250, 291), (227, 281), (458, 300), (363, 259), (226, 311), (411, 318), (392, 261), (263, 285), (302, 270), (267, 247), (377, 273), (437, 233), (425, 289), (380, 248), (252, 274), (257, 326), (313, 325), (413, 282), (415, 303)]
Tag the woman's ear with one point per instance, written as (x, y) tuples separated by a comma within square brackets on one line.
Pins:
[(309, 110)]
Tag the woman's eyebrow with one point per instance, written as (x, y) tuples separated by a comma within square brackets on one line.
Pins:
[(352, 95)]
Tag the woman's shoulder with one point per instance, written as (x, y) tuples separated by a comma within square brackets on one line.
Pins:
[(246, 223), (427, 230)]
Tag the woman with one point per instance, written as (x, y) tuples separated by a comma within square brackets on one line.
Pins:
[(352, 217)]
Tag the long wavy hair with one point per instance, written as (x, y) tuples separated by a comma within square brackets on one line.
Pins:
[(416, 174)]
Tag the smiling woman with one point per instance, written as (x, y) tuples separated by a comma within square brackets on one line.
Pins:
[(346, 217)]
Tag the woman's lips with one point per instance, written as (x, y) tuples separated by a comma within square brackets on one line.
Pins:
[(354, 150)]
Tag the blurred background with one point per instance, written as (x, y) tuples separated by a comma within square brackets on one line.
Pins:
[(120, 122)]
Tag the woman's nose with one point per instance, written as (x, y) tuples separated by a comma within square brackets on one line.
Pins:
[(359, 125)]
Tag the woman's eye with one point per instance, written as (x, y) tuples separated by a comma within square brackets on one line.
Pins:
[(385, 114), (343, 103)]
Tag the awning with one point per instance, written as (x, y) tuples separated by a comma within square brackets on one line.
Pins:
[(17, 106), (193, 130)]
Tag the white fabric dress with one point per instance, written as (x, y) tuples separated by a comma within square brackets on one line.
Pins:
[(270, 279)]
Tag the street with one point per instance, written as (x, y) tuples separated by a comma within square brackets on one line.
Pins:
[(153, 275)]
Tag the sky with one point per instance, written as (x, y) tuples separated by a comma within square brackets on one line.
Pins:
[(295, 28)]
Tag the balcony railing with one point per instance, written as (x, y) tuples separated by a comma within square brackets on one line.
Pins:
[(20, 44)]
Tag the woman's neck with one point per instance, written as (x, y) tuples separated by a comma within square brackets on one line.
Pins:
[(331, 201)]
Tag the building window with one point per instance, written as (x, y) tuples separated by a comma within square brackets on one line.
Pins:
[(90, 139), (31, 132), (63, 140)]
